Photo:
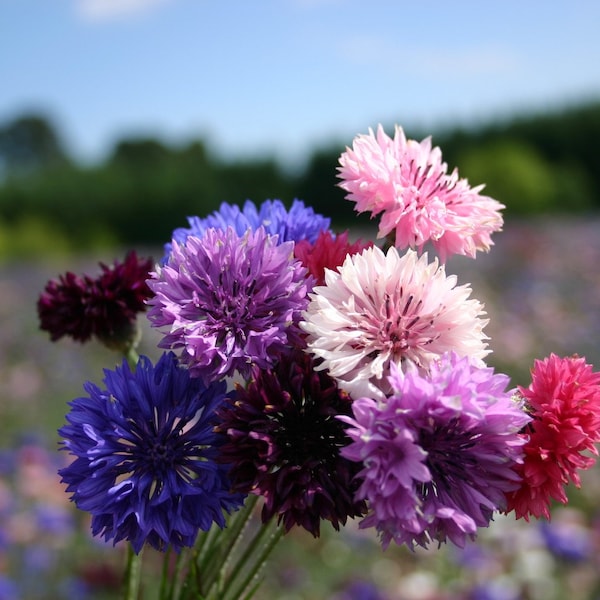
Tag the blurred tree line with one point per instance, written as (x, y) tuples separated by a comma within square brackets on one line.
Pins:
[(145, 188)]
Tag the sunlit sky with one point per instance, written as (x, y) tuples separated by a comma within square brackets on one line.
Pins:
[(285, 76)]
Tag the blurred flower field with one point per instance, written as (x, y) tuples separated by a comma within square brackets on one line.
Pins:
[(541, 287)]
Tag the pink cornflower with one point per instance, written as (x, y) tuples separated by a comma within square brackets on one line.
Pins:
[(382, 308), (564, 401), (407, 183), (327, 252)]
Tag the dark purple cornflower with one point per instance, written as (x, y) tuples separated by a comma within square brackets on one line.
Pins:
[(437, 456), (300, 222), (284, 442), (145, 455), (229, 302), (105, 306)]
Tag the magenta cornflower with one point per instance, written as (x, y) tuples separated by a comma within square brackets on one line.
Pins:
[(438, 455), (105, 306), (229, 302), (380, 309), (327, 252), (564, 402), (284, 442), (407, 183)]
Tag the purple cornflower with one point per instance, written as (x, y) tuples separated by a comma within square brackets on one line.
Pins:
[(438, 455), (145, 453), (284, 444), (300, 222), (229, 302)]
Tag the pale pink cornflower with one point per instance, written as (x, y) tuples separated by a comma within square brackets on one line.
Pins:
[(419, 201), (382, 308)]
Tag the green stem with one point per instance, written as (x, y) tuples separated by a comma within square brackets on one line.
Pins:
[(208, 545), (215, 561), (134, 574), (174, 586), (253, 558), (163, 595), (132, 356)]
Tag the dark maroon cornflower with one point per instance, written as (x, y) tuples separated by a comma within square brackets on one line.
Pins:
[(121, 293), (62, 307), (106, 306), (284, 441)]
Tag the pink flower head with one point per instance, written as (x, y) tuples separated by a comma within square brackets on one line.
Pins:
[(564, 401), (382, 308), (407, 182)]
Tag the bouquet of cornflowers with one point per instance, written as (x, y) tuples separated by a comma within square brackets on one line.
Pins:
[(307, 377)]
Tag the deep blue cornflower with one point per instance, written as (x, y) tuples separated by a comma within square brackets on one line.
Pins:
[(145, 453), (300, 222)]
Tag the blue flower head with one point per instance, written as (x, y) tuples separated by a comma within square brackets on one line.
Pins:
[(145, 453), (299, 223)]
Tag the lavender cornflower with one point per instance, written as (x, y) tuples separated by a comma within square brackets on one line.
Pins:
[(229, 302), (438, 455), (145, 451)]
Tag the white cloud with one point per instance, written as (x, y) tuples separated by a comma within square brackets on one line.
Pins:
[(112, 10)]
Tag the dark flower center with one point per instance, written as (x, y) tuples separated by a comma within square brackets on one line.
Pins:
[(305, 436), (449, 456), (160, 455)]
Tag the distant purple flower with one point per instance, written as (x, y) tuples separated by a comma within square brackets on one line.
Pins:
[(438, 454), (298, 223), (55, 520), (499, 589), (570, 541), (284, 444), (360, 590), (229, 302), (9, 590), (145, 455)]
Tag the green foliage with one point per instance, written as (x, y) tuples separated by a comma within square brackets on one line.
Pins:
[(30, 143), (563, 144), (517, 175), (145, 189)]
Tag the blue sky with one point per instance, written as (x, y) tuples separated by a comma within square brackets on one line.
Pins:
[(283, 77)]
